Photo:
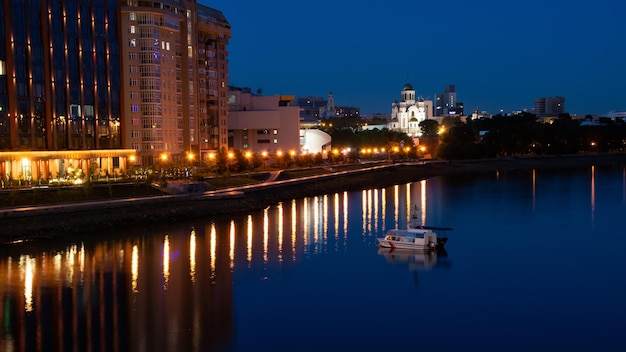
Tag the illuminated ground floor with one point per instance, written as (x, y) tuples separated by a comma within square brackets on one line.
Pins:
[(67, 166)]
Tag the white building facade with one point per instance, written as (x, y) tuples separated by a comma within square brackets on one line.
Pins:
[(409, 112)]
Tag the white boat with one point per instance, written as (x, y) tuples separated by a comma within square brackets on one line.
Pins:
[(421, 237), (409, 239)]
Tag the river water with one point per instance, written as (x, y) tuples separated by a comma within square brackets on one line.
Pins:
[(535, 261)]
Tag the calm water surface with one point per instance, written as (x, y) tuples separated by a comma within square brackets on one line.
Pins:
[(535, 262)]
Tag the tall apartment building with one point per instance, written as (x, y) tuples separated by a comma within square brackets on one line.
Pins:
[(549, 106), (174, 79)]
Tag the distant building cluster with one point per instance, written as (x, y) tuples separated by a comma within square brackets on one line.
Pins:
[(319, 107)]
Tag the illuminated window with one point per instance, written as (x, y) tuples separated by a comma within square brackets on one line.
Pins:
[(3, 69), (275, 141), (132, 30), (132, 16)]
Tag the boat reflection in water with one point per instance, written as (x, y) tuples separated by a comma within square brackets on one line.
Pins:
[(416, 260)]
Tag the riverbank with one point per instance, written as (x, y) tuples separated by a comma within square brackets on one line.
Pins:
[(102, 217)]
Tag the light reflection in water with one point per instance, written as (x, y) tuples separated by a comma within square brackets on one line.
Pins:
[(231, 252), (166, 261), (294, 220), (280, 225), (383, 196), (336, 214), (423, 203), (212, 249), (345, 212), (396, 204), (534, 187), (58, 262), (70, 255), (408, 203), (593, 193), (325, 220), (192, 256), (266, 234), (28, 266), (249, 240), (376, 205), (363, 211), (305, 221), (134, 267)]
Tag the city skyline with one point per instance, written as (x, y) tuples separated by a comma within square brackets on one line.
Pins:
[(498, 55)]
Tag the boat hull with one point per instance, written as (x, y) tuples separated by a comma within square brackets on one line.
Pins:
[(384, 243)]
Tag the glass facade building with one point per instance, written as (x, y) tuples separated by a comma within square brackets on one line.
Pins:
[(133, 79), (60, 85)]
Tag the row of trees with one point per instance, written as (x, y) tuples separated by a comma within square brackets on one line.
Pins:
[(521, 134), (525, 134)]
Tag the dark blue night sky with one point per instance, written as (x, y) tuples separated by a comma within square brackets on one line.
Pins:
[(499, 54)]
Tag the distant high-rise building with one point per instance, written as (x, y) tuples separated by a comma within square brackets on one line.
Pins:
[(446, 103), (549, 106)]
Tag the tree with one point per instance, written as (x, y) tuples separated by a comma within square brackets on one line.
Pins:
[(458, 142), (429, 128)]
